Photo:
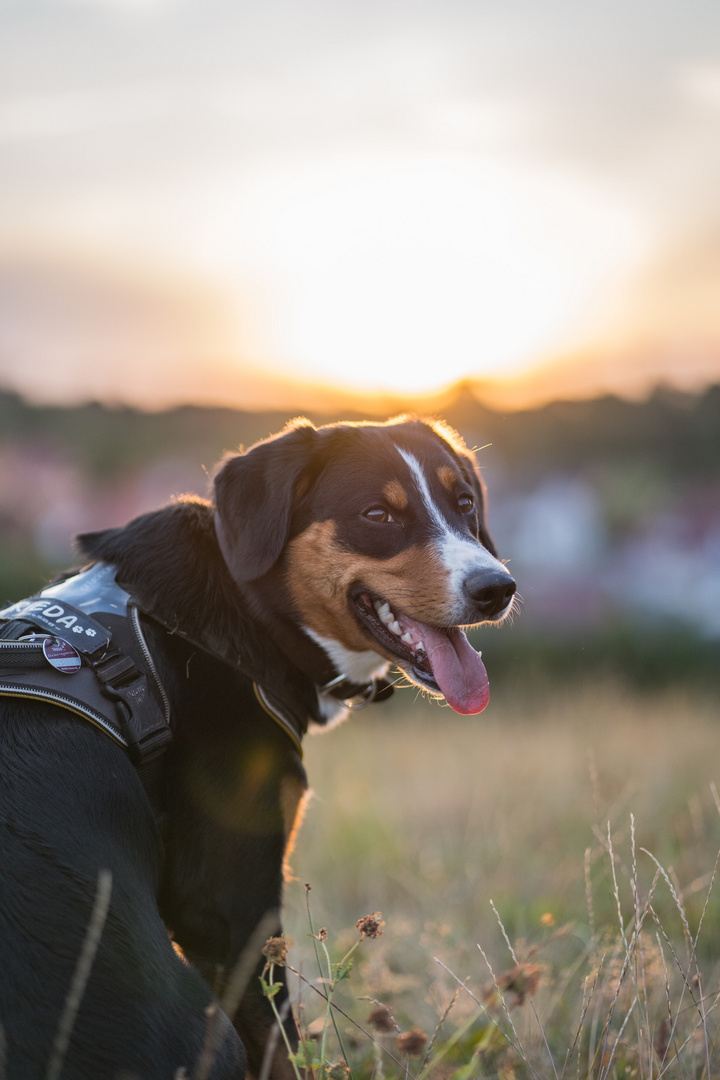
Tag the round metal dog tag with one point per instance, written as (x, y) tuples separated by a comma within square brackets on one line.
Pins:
[(62, 655)]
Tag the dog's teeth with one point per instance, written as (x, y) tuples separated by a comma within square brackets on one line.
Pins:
[(420, 647), (387, 616), (383, 609), (408, 639)]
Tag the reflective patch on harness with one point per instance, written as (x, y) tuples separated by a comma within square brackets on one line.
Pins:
[(87, 634)]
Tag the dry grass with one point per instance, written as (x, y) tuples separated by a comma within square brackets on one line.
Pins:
[(546, 876)]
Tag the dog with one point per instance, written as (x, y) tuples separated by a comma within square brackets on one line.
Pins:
[(327, 557)]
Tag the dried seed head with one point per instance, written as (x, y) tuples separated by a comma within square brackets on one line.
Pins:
[(521, 981), (275, 950), (382, 1019), (321, 934), (412, 1042), (370, 926), (339, 1071)]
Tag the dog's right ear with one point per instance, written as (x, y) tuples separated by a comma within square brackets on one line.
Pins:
[(254, 495)]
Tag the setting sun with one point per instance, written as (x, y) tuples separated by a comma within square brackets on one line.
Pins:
[(395, 273), (203, 203)]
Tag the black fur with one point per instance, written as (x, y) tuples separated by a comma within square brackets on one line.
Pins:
[(71, 805)]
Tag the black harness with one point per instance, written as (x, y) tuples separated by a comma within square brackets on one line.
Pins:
[(80, 645)]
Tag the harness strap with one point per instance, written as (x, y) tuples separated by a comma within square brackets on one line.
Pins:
[(147, 731), (110, 689), (275, 713), (51, 686)]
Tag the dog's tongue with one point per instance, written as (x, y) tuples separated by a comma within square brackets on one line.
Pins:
[(457, 669)]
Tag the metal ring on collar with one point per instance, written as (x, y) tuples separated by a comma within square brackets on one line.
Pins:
[(357, 701)]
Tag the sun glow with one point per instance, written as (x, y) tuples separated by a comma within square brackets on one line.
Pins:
[(405, 274)]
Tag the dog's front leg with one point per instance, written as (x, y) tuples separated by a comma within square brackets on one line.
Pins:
[(240, 995), (221, 897), (226, 947), (266, 1038)]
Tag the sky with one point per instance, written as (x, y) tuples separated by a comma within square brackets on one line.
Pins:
[(266, 204)]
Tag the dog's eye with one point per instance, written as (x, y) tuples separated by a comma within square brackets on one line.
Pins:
[(466, 504), (379, 514)]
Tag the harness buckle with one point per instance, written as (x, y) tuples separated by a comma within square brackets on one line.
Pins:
[(113, 669), (151, 745), (377, 690), (148, 735)]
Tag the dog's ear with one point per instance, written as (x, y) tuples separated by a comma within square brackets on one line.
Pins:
[(254, 498)]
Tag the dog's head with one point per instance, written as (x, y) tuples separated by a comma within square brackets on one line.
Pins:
[(377, 533)]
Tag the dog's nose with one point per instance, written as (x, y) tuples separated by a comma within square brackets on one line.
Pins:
[(490, 591)]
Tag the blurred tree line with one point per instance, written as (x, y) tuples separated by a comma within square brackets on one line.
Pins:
[(674, 431)]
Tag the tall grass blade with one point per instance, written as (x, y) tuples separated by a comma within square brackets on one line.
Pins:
[(81, 975)]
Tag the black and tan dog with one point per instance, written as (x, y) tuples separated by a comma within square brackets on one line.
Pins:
[(329, 556)]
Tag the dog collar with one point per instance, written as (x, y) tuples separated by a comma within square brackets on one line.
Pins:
[(356, 695)]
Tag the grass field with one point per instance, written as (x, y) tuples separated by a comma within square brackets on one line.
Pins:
[(555, 856)]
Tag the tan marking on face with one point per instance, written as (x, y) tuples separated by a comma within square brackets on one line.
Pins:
[(320, 572), (447, 477), (294, 799), (396, 494)]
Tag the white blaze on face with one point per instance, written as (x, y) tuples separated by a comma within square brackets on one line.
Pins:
[(460, 555)]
